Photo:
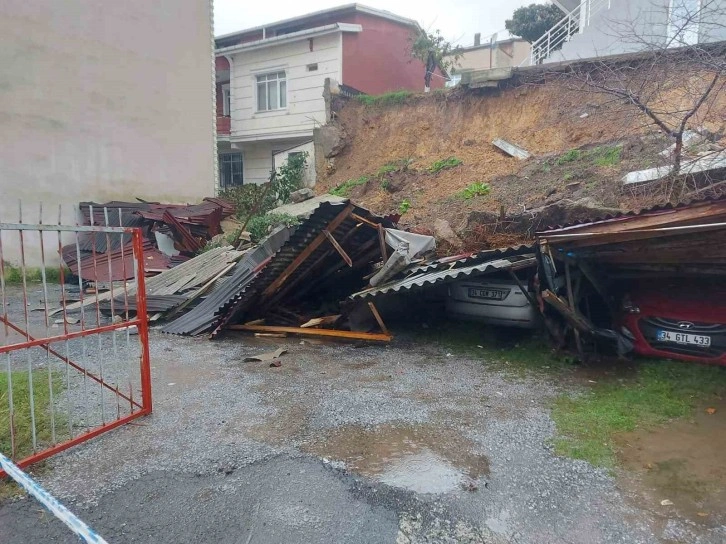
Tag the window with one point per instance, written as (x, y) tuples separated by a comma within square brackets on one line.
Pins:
[(683, 19), (226, 103), (230, 170), (271, 91)]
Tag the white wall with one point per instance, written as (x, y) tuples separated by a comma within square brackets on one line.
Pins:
[(305, 103), (102, 101), (257, 158)]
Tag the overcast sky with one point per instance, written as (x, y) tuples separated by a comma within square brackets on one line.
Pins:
[(458, 20)]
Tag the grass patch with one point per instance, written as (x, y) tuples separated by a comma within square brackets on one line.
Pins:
[(386, 99), (344, 188), (14, 275), (514, 350), (607, 155), (404, 206), (571, 156), (22, 415), (660, 391), (475, 189), (444, 164)]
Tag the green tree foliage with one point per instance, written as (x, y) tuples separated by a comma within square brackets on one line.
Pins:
[(533, 21), (434, 51)]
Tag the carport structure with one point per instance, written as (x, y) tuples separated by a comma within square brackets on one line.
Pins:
[(686, 240)]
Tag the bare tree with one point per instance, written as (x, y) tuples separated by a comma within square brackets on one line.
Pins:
[(677, 70)]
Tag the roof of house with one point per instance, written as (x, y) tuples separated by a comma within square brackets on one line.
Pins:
[(322, 13)]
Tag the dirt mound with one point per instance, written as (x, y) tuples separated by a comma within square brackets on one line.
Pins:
[(580, 148)]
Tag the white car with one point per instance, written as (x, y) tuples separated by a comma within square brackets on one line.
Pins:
[(494, 301)]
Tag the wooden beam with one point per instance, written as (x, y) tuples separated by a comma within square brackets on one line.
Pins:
[(375, 313), (525, 292), (574, 318), (351, 335), (319, 321), (382, 242), (573, 307), (302, 257), (364, 220), (338, 248)]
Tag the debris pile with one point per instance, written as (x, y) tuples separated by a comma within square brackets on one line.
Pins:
[(172, 234)]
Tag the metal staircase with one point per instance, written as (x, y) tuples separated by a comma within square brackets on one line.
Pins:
[(573, 23)]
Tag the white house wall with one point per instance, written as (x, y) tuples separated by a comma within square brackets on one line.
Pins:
[(103, 101), (305, 103), (257, 158)]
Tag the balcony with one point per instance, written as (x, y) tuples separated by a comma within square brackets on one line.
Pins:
[(224, 127)]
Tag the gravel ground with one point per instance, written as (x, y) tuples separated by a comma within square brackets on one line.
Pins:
[(241, 452)]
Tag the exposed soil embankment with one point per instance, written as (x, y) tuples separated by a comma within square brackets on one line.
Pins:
[(581, 147)]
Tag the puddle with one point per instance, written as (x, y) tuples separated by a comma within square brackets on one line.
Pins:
[(683, 462), (421, 458)]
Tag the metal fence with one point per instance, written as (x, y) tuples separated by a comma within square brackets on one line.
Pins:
[(74, 356)]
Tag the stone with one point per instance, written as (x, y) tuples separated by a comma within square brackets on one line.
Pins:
[(573, 186), (330, 139), (301, 195), (443, 230)]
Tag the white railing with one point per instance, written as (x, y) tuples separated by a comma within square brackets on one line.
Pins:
[(575, 21)]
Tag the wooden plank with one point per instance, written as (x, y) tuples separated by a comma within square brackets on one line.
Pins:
[(575, 319), (351, 335), (511, 149), (375, 313), (573, 307), (525, 292), (338, 247), (364, 220), (302, 257), (382, 242)]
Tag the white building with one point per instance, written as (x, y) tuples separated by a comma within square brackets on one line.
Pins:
[(271, 79)]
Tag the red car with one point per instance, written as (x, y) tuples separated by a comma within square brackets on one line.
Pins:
[(677, 319)]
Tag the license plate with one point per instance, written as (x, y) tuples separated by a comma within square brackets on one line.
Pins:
[(490, 294), (684, 338)]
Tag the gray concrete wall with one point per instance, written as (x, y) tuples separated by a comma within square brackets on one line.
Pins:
[(104, 100), (632, 25)]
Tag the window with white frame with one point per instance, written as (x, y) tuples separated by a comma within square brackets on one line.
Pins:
[(684, 17), (226, 100), (230, 170), (271, 91)]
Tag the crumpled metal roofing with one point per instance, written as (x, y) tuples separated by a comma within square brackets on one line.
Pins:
[(464, 260), (624, 215), (202, 317), (419, 281)]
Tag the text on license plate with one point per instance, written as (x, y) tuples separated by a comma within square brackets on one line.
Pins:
[(491, 294), (684, 338)]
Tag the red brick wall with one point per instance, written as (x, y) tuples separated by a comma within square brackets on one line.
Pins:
[(378, 59)]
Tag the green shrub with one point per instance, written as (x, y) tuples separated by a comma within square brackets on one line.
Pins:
[(443, 164), (344, 188), (385, 184), (287, 179), (386, 99), (571, 156), (246, 197), (404, 206), (14, 274), (259, 226), (475, 189)]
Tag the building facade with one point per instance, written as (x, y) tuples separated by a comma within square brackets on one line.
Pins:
[(489, 55), (97, 103), (596, 28), (270, 82)]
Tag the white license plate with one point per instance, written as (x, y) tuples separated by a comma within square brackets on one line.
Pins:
[(684, 338), (490, 294)]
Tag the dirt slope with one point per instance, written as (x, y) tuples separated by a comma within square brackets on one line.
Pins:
[(547, 120)]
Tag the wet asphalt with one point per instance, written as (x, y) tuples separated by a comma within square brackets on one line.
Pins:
[(239, 452)]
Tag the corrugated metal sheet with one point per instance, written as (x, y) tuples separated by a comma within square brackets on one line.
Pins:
[(423, 280), (360, 238), (465, 260), (202, 317), (660, 208)]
